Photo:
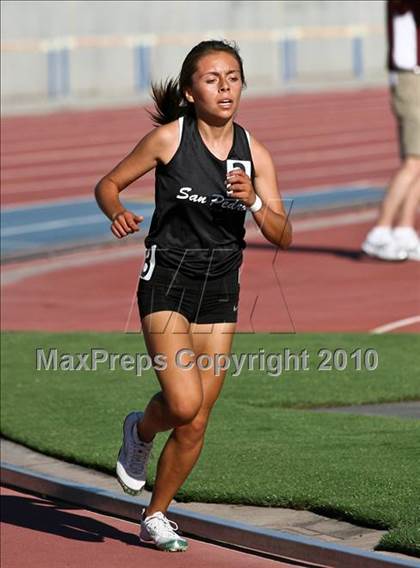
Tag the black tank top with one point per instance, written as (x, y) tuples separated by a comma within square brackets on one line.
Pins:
[(196, 227)]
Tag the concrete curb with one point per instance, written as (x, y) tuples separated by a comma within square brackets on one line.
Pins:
[(283, 546)]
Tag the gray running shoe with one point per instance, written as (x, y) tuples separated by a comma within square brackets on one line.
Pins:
[(133, 457)]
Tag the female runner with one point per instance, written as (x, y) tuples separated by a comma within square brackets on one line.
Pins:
[(209, 172)]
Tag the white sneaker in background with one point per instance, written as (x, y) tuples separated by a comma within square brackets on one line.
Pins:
[(380, 243), (158, 530), (133, 457), (408, 240)]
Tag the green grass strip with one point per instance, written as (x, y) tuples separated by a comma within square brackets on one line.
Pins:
[(404, 540), (262, 447)]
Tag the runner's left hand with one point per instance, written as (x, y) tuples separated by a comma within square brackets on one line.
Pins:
[(240, 186)]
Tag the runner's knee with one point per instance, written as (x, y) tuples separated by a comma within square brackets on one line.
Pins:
[(184, 409), (193, 432)]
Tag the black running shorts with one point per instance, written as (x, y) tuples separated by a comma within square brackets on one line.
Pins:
[(213, 300)]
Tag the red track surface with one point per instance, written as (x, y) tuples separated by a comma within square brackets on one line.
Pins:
[(317, 139), (323, 287), (38, 532)]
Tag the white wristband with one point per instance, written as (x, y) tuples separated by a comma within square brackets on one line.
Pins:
[(256, 206)]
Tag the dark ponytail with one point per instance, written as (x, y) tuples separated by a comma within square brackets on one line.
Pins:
[(169, 102), (169, 98)]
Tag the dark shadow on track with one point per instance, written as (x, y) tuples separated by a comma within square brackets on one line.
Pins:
[(352, 254), (43, 515)]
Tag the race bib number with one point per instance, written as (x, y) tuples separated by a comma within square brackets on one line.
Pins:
[(244, 165), (149, 263)]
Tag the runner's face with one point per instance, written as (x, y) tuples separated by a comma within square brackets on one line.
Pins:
[(216, 85)]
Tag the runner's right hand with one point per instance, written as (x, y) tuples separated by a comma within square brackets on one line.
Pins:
[(125, 222)]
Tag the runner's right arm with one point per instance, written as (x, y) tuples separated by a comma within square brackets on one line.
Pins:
[(153, 148)]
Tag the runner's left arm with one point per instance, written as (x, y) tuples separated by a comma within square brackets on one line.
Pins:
[(272, 217)]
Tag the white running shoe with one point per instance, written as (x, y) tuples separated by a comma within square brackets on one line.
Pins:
[(407, 239), (414, 253), (386, 251), (158, 530), (133, 457), (380, 243)]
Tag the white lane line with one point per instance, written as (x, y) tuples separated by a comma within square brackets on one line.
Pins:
[(74, 200), (68, 144), (330, 130), (395, 325), (69, 182), (77, 182), (52, 225), (331, 221), (287, 157), (354, 218), (335, 169), (308, 224), (14, 274), (362, 186), (341, 189), (40, 204), (83, 153), (72, 260), (335, 190), (139, 199), (285, 167), (33, 172)]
